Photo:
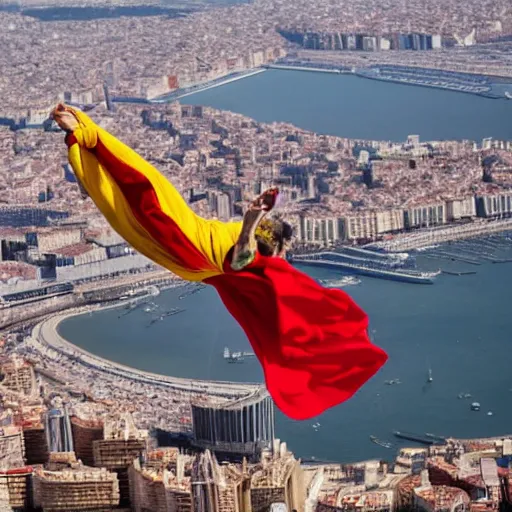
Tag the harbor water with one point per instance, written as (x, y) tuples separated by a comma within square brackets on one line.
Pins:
[(359, 108), (460, 328)]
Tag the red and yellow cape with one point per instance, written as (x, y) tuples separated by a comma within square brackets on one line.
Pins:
[(312, 342)]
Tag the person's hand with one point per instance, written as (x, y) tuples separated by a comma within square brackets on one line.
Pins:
[(266, 201), (65, 118)]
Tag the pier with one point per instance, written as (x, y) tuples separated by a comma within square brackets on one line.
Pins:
[(417, 438), (328, 260)]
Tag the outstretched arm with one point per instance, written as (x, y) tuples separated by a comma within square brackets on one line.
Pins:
[(246, 245)]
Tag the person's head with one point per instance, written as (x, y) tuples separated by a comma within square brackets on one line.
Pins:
[(273, 237)]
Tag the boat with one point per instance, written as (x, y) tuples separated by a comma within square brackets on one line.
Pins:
[(384, 444), (340, 283), (235, 359), (475, 406), (392, 381), (417, 438), (429, 379), (347, 263)]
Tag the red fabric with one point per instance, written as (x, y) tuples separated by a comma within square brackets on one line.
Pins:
[(312, 342)]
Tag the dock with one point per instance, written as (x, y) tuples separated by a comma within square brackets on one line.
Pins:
[(325, 260), (417, 438)]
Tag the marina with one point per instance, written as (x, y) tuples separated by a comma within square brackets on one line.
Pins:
[(371, 265), (428, 239), (468, 83), (448, 80)]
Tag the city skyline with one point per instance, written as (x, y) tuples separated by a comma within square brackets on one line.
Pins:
[(80, 432)]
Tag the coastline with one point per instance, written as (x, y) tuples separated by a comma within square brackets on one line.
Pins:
[(363, 73), (204, 86), (429, 86), (48, 328), (45, 336), (332, 70)]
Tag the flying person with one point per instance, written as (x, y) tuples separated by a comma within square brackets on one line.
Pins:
[(311, 342)]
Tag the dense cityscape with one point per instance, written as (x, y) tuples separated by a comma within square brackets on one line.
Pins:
[(79, 432)]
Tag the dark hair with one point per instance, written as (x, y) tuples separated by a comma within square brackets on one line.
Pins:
[(282, 232)]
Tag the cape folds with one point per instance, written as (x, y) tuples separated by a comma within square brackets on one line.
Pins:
[(312, 342)]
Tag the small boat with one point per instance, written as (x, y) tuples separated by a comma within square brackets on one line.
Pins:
[(384, 444), (475, 406), (234, 359), (392, 381), (429, 379)]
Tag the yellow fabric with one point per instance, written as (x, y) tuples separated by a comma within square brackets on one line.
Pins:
[(212, 238)]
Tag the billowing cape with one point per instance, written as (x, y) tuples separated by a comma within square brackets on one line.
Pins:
[(312, 342)]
